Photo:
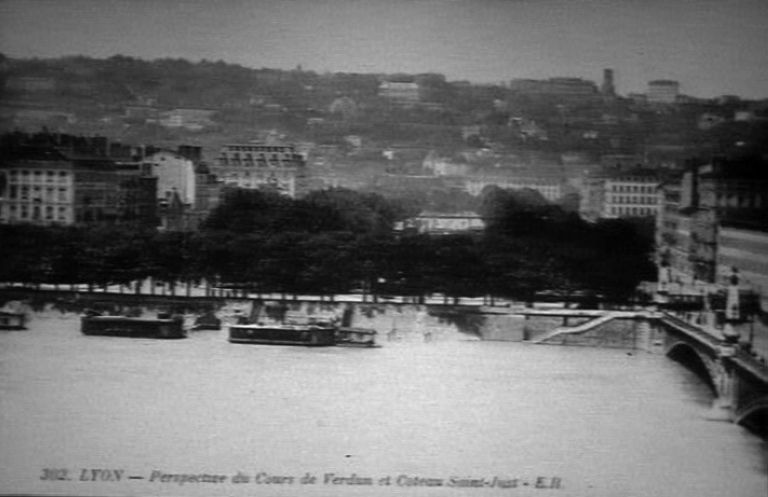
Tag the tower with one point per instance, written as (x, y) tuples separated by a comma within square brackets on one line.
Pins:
[(608, 88)]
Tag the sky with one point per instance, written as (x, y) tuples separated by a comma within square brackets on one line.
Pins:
[(712, 47)]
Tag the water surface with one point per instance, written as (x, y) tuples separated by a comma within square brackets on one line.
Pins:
[(505, 416)]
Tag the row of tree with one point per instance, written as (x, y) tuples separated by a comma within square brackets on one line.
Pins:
[(340, 241)]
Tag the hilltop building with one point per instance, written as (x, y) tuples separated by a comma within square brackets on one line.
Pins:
[(608, 88), (555, 86), (663, 91), (188, 118), (404, 93)]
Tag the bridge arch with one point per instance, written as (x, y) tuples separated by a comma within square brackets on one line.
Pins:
[(754, 416), (700, 365)]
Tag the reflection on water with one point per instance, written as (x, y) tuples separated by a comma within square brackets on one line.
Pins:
[(461, 413)]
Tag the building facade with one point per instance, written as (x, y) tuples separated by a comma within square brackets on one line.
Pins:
[(67, 192), (744, 250), (663, 91), (612, 193), (174, 173), (49, 179), (554, 86), (631, 195), (37, 192), (712, 224), (400, 92), (261, 166), (551, 188), (439, 223)]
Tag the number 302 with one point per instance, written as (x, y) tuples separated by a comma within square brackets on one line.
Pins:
[(54, 474)]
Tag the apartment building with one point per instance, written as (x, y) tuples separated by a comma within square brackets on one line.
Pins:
[(45, 187), (262, 166), (611, 193), (663, 91), (714, 221)]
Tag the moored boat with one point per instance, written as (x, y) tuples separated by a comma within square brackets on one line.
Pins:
[(283, 334), (132, 327), (356, 337), (207, 321), (12, 320)]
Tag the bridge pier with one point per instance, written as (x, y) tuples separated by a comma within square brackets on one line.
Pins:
[(725, 403)]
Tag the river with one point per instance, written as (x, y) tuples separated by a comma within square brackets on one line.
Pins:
[(452, 417)]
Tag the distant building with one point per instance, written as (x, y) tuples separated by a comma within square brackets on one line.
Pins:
[(438, 223), (400, 92), (37, 118), (141, 112), (611, 193), (554, 86), (187, 118), (175, 174), (260, 166), (663, 91), (30, 84), (43, 184), (706, 221), (631, 194), (746, 251), (551, 187), (608, 88)]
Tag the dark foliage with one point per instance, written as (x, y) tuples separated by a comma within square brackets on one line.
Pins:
[(338, 241)]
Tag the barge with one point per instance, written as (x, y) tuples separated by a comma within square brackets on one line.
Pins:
[(12, 320), (132, 327), (356, 337), (313, 335), (207, 321)]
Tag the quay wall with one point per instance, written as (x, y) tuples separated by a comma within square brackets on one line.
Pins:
[(393, 321)]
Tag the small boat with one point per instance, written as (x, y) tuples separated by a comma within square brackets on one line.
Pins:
[(207, 321), (163, 326), (283, 334), (356, 337), (12, 320)]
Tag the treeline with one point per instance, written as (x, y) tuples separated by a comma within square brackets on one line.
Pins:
[(340, 241)]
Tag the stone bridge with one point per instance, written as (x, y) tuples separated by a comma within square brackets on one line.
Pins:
[(739, 382)]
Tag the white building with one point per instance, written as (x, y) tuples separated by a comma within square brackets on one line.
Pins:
[(550, 188), (631, 195), (663, 91), (38, 192), (174, 173), (439, 223), (262, 166)]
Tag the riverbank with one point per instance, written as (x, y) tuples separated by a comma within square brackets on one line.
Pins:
[(392, 320)]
